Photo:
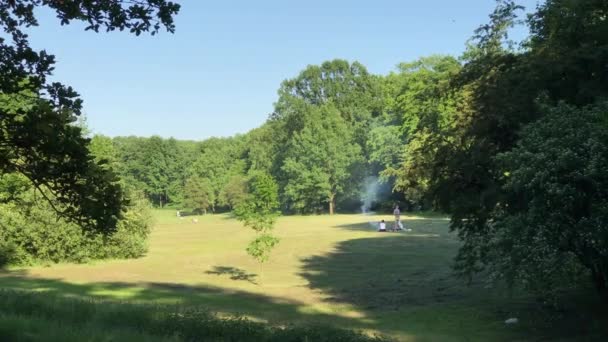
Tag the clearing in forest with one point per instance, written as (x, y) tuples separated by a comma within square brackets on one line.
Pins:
[(330, 269)]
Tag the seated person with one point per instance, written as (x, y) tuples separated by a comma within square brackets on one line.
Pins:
[(382, 226)]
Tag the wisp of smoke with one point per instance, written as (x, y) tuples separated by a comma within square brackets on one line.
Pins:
[(370, 194)]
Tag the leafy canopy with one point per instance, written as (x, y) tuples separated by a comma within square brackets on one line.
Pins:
[(321, 160), (37, 135)]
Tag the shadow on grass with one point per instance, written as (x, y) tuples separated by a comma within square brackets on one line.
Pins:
[(390, 272), (411, 272), (262, 307), (431, 225), (234, 273)]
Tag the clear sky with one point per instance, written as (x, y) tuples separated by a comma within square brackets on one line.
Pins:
[(219, 73)]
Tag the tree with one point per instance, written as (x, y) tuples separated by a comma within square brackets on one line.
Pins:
[(235, 190), (555, 206), (423, 95), (353, 91), (350, 87), (156, 166), (504, 166), (198, 194), (160, 170), (259, 211), (220, 160), (103, 150), (40, 143), (37, 138), (321, 161), (261, 149), (385, 148)]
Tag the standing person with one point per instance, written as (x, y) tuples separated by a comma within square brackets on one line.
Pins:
[(397, 214)]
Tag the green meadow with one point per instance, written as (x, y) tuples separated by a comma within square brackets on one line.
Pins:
[(331, 270)]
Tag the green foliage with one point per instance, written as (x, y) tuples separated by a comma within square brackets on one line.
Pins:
[(131, 238), (103, 150), (261, 149), (385, 148), (7, 253), (235, 192), (261, 247), (321, 160), (160, 168), (32, 232), (555, 206), (420, 93), (198, 194), (259, 211), (40, 143), (353, 91), (37, 135), (519, 180), (219, 161), (156, 166)]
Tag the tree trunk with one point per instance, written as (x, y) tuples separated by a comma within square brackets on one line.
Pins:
[(332, 203), (160, 201)]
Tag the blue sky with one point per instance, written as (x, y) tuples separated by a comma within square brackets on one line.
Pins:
[(219, 73)]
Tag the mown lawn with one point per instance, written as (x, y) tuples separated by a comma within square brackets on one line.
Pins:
[(330, 269)]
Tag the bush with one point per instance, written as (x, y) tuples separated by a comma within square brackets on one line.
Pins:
[(550, 227), (31, 232), (7, 252)]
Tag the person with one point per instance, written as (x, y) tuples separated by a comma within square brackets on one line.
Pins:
[(397, 214), (382, 226)]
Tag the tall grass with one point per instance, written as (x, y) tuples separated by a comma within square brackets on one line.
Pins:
[(39, 316)]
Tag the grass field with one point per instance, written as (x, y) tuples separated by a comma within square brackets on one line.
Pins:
[(331, 269)]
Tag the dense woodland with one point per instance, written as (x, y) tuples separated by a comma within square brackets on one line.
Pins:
[(509, 139)]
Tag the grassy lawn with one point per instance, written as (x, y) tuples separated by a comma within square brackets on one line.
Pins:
[(331, 269)]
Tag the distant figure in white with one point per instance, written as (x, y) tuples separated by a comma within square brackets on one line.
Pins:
[(382, 226)]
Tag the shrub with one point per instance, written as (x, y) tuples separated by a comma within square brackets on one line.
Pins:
[(31, 232), (7, 252)]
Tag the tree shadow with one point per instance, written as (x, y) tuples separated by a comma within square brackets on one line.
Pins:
[(428, 225), (234, 273), (275, 310), (362, 226), (392, 271), (412, 272)]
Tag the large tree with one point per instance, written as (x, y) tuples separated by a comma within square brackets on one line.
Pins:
[(37, 137), (219, 161), (349, 87), (506, 167), (198, 194), (155, 166), (427, 110), (554, 211), (322, 160)]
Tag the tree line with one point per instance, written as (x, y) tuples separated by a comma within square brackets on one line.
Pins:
[(316, 145)]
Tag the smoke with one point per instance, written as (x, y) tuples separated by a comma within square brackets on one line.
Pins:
[(370, 194)]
